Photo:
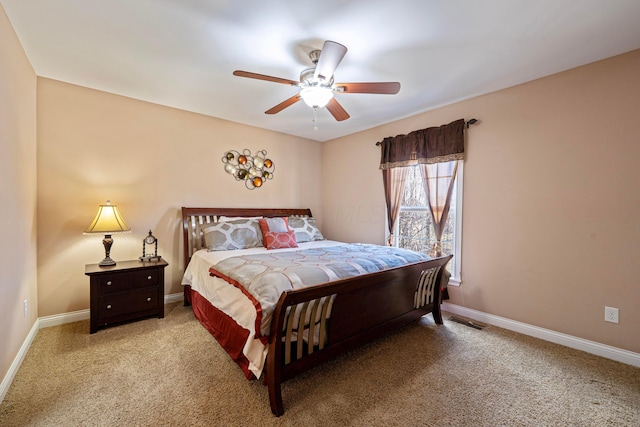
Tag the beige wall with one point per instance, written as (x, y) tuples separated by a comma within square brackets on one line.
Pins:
[(149, 160), (551, 209), (17, 195), (551, 222)]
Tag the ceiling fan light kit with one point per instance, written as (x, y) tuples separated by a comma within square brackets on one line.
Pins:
[(316, 96), (317, 85)]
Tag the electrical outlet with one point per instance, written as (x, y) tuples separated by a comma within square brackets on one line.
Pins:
[(25, 305), (611, 314)]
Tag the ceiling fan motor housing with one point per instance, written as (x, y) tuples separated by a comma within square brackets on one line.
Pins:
[(308, 80), (314, 55)]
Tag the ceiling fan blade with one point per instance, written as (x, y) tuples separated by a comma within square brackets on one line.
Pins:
[(284, 104), (249, 75), (337, 111), (389, 88), (330, 56)]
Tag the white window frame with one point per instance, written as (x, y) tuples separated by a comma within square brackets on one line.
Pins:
[(456, 272)]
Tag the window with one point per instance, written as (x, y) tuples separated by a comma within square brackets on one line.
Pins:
[(414, 229)]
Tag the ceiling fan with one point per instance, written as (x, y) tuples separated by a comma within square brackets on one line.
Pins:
[(317, 86)]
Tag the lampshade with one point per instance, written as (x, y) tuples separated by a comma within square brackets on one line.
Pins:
[(316, 96), (108, 220)]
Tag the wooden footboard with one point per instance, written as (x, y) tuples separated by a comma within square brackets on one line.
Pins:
[(313, 325)]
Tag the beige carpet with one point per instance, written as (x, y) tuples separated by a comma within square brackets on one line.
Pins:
[(171, 372)]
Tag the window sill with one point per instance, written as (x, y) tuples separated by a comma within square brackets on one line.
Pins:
[(454, 282)]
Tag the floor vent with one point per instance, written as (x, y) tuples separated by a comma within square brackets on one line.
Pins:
[(466, 322)]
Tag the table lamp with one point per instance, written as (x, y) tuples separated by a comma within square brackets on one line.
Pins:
[(108, 221)]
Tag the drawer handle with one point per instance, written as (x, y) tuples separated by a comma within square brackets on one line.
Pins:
[(109, 283), (149, 299), (148, 277), (109, 306)]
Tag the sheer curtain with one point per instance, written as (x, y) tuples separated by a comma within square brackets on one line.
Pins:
[(394, 180), (437, 180)]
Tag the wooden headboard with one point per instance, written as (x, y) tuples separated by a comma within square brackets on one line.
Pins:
[(193, 217)]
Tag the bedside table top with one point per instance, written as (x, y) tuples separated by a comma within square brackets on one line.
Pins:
[(91, 269)]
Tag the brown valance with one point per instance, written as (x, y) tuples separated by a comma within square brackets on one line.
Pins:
[(431, 145)]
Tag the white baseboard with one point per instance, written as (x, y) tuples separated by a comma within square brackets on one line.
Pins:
[(61, 319), (168, 299), (17, 361), (609, 352), (76, 316), (45, 322)]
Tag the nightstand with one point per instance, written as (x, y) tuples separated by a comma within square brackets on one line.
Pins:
[(129, 290)]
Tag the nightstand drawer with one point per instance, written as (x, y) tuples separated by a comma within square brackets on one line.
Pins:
[(136, 300), (116, 282)]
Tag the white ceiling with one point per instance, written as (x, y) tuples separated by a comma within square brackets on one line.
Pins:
[(182, 53)]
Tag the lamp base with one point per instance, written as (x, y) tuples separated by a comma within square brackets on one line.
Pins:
[(107, 242), (107, 262)]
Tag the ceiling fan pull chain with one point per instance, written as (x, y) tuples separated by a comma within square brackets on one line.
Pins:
[(315, 118)]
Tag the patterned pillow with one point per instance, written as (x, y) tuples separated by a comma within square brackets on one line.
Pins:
[(276, 233), (306, 228), (229, 235), (275, 240)]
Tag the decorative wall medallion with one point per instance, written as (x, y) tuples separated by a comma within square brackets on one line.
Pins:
[(254, 170)]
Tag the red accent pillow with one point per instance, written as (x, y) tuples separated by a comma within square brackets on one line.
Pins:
[(274, 240), (276, 233)]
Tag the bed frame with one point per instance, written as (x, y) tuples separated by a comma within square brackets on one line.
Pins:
[(351, 312)]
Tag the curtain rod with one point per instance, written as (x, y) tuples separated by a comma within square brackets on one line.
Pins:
[(470, 122), (466, 124)]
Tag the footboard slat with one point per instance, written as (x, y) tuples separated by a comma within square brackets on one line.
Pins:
[(425, 288), (301, 328), (323, 321), (288, 334), (312, 324)]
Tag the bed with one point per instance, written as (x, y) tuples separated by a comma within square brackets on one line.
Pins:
[(275, 332)]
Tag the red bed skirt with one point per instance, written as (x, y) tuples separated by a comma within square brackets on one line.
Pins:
[(231, 336)]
